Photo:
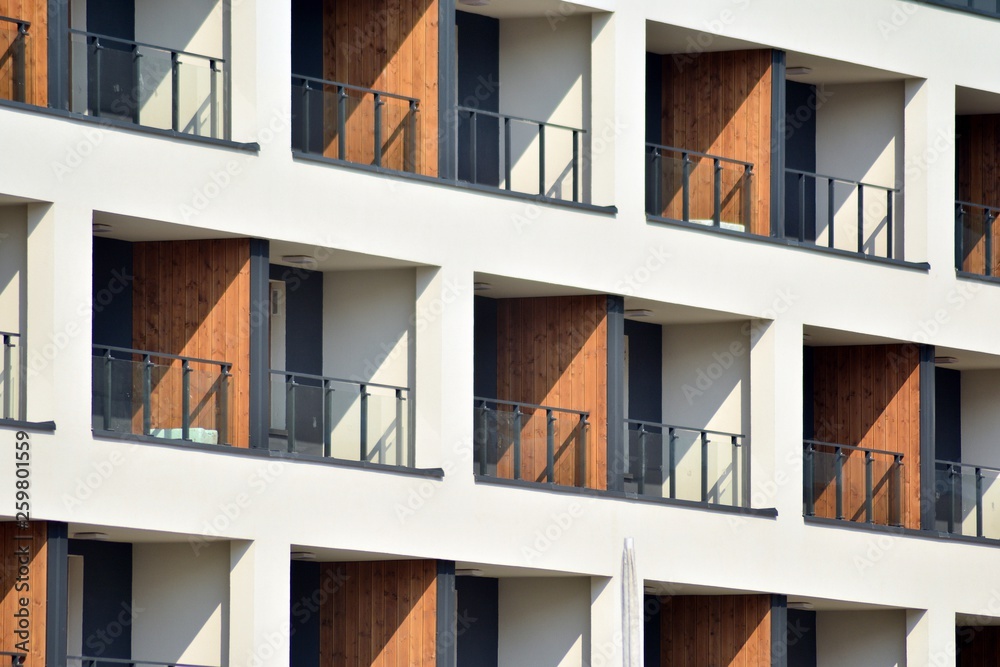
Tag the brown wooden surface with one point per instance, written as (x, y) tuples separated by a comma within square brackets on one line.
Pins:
[(978, 646), (716, 630), (978, 155), (390, 46), (37, 573), (868, 396), (553, 351), (192, 298), (381, 614), (36, 49), (719, 103)]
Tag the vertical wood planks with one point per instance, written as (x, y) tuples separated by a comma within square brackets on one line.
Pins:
[(978, 157), (36, 49), (718, 630), (35, 576)]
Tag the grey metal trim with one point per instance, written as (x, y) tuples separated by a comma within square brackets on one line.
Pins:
[(57, 593), (433, 473), (617, 463), (49, 427), (58, 54), (928, 446), (779, 631), (447, 91), (260, 331), (766, 513), (965, 275), (778, 103), (447, 615), (790, 243), (967, 10), (936, 535)]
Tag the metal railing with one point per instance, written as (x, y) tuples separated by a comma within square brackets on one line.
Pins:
[(647, 436), (741, 184), (814, 449), (506, 434), (344, 103), (961, 490), (17, 50), (974, 6), (127, 67), (93, 661), (974, 222), (860, 188), (343, 409), (140, 369), (505, 123), (13, 379), (16, 659)]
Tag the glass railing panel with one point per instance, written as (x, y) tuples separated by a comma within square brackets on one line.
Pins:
[(975, 238), (853, 484)]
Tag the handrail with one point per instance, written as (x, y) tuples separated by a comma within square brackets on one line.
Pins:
[(162, 355), (9, 334), (975, 205), (478, 399), (362, 89), (709, 156), (820, 443), (838, 179), (965, 465), (132, 42), (23, 25), (507, 116), (121, 661), (685, 428), (307, 376)]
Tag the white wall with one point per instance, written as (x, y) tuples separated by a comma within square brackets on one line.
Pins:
[(184, 601), (544, 622), (859, 136), (706, 385), (853, 638), (368, 335), (545, 75), (13, 290), (981, 446)]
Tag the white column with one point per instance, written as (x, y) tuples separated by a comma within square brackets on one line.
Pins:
[(259, 594), (930, 638), (58, 331), (606, 613)]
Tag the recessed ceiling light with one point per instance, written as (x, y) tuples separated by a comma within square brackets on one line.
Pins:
[(303, 555), (101, 228), (801, 606), (639, 312), (945, 360), (798, 71), (100, 537), (482, 287), (299, 259), (474, 3), (469, 572)]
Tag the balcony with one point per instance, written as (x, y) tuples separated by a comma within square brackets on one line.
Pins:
[(853, 483), (978, 198)]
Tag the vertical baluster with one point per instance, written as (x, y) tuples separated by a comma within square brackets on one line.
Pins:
[(21, 63), (223, 426), (517, 442), (889, 223), (134, 101), (186, 400), (839, 464), (717, 193), (341, 123), (550, 447), (306, 115), (8, 368), (378, 129), (642, 460), (809, 468), (290, 396), (802, 207), (748, 200), (656, 187), (869, 488), (861, 218), (328, 418), (508, 168), (685, 187), (401, 432), (364, 422), (214, 97), (175, 94), (956, 501), (584, 427), (541, 159), (96, 111), (831, 186), (107, 390), (147, 394), (988, 231), (672, 460), (899, 489), (414, 136), (959, 237), (704, 467), (481, 438), (576, 165), (979, 502), (473, 146), (736, 470)]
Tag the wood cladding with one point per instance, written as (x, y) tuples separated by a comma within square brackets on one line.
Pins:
[(553, 351), (389, 46), (192, 298), (36, 50), (15, 575), (979, 183), (717, 630), (379, 614), (720, 104), (978, 646), (868, 396)]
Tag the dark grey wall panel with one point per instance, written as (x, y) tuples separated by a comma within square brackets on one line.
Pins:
[(479, 88), (800, 153), (485, 348), (304, 642), (107, 595), (478, 626)]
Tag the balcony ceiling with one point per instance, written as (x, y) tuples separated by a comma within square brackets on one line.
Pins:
[(516, 9), (965, 360), (973, 102)]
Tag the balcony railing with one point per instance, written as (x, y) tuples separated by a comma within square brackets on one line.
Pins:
[(92, 661), (537, 443), (968, 498), (14, 63), (557, 145), (342, 419), (356, 124), (974, 225), (12, 378), (699, 188), (681, 462), (161, 395), (867, 484), (874, 225), (16, 659), (984, 7), (148, 85)]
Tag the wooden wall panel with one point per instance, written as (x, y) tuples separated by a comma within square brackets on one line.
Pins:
[(380, 614), (978, 646), (390, 46), (719, 103), (717, 630), (192, 298), (36, 53), (868, 396), (35, 538), (979, 183), (553, 351)]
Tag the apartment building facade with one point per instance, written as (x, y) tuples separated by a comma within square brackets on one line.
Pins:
[(499, 333)]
